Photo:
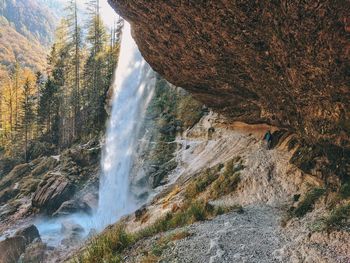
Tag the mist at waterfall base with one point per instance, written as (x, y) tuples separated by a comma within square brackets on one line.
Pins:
[(133, 86)]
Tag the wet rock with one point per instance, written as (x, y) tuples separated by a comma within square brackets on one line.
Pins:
[(72, 206), (50, 196), (91, 200), (30, 233), (73, 233), (69, 227), (11, 249)]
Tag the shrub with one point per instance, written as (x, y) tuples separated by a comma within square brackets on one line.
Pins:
[(307, 204)]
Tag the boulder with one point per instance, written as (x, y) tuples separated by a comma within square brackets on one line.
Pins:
[(50, 196), (73, 233), (72, 206), (69, 227), (11, 248), (30, 233), (91, 200)]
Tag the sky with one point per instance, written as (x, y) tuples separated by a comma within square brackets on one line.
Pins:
[(107, 13)]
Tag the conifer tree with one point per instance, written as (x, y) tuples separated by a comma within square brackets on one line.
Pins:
[(28, 113)]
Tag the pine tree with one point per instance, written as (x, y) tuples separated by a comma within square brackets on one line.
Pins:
[(98, 68), (16, 86), (28, 113), (39, 86), (74, 44)]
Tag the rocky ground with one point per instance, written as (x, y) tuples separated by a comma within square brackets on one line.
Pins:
[(46, 188), (269, 187), (253, 235)]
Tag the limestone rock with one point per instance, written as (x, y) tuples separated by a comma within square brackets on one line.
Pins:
[(252, 62), (52, 194)]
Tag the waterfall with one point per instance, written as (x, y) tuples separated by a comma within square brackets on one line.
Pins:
[(133, 88)]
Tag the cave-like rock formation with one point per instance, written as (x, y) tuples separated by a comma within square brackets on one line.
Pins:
[(281, 62)]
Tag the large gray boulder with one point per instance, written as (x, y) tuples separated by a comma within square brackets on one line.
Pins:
[(50, 196)]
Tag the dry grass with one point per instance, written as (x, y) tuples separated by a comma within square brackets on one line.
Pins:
[(215, 182)]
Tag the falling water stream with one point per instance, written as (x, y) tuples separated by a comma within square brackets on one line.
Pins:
[(133, 89), (133, 86)]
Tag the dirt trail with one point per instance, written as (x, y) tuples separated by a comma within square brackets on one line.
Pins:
[(251, 236)]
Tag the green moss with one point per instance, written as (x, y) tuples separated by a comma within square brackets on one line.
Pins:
[(307, 204)]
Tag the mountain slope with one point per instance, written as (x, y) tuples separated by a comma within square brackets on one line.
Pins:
[(26, 31), (31, 18), (29, 53)]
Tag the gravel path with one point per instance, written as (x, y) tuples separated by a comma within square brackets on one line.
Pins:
[(252, 236)]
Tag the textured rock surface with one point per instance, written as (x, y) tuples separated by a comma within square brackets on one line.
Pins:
[(11, 248), (279, 62), (52, 194)]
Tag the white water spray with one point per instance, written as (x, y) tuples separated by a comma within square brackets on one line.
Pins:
[(133, 88)]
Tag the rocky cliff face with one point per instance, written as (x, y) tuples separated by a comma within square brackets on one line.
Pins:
[(278, 62)]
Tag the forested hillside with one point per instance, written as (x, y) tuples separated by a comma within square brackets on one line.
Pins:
[(62, 102), (31, 18)]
